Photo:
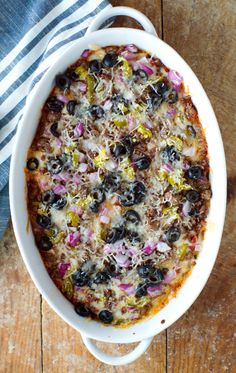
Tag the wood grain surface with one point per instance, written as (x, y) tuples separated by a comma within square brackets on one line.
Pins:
[(34, 339)]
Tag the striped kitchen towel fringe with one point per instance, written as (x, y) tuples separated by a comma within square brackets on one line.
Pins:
[(32, 34)]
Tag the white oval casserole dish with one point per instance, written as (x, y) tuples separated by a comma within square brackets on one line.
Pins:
[(145, 330)]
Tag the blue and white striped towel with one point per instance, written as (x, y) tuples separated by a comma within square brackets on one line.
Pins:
[(32, 34)]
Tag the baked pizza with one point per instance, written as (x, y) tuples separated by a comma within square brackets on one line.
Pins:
[(118, 184)]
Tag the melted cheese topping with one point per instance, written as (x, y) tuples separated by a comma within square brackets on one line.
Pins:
[(140, 99)]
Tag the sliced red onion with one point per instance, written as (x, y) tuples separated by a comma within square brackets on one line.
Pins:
[(146, 68), (169, 276), (104, 219), (82, 86), (104, 211), (148, 124), (149, 247), (75, 209), (79, 129), (48, 132), (76, 179), (83, 167), (131, 122), (162, 247), (132, 251), (171, 112), (58, 142), (189, 152), (85, 53), (80, 290), (125, 286), (177, 87), (62, 268), (131, 309), (129, 56), (119, 247), (148, 250), (63, 99), (116, 281), (131, 48), (128, 288), (62, 176), (82, 157), (121, 79), (167, 167), (122, 260), (59, 189), (186, 165), (107, 105), (154, 290), (122, 250), (80, 211), (90, 234), (93, 177), (43, 184), (107, 249), (57, 177), (186, 208), (175, 77), (65, 176), (73, 238)]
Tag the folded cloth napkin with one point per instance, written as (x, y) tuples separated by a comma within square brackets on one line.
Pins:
[(33, 33)]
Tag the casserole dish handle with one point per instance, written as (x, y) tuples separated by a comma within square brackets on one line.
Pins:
[(116, 360), (106, 14)]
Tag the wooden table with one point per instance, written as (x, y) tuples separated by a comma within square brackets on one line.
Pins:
[(34, 339)]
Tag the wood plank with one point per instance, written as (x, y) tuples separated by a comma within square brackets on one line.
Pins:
[(203, 341), (63, 349), (152, 9), (20, 325)]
